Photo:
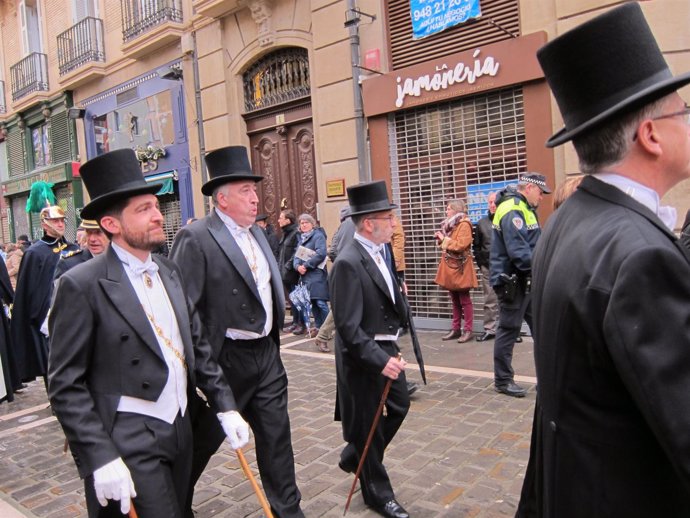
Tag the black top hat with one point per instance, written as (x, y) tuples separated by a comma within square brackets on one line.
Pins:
[(368, 197), (228, 164), (110, 178), (608, 66)]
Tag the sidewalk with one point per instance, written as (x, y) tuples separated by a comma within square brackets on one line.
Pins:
[(461, 452)]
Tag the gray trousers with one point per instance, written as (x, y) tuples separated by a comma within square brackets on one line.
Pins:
[(490, 302)]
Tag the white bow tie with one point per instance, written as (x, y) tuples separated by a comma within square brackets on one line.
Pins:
[(140, 269)]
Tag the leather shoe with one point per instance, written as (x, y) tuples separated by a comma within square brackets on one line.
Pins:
[(511, 389), (454, 333), (323, 346), (391, 509), (488, 335), (466, 337), (299, 330), (411, 387)]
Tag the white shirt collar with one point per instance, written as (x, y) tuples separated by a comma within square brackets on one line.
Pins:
[(642, 194), (134, 263), (232, 225)]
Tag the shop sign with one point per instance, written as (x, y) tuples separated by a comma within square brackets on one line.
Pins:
[(54, 175), (433, 16)]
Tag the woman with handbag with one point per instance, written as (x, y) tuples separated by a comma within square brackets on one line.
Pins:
[(456, 269)]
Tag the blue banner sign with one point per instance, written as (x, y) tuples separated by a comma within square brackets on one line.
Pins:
[(432, 16), (476, 198)]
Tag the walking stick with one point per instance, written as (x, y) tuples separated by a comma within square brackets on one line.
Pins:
[(379, 411), (132, 511), (252, 481)]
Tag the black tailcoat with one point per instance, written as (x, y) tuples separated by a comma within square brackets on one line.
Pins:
[(611, 292)]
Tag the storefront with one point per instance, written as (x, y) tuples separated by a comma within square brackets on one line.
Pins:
[(460, 126), (147, 114)]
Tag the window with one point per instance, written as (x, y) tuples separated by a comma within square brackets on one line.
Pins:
[(29, 15), (146, 122), (40, 142)]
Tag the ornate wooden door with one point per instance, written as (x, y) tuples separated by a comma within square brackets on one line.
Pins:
[(284, 156)]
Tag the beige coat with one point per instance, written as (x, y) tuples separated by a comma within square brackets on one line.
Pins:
[(14, 259)]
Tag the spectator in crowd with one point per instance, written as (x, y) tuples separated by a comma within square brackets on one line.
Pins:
[(23, 242), (565, 190), (516, 231), (286, 253), (456, 268), (611, 284), (14, 259), (271, 237), (483, 232), (310, 264), (96, 243)]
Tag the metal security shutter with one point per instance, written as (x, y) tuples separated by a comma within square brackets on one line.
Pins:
[(65, 199), (20, 217), (405, 51), (170, 208), (15, 153), (441, 152), (60, 137)]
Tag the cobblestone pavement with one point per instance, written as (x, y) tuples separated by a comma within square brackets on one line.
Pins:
[(461, 452)]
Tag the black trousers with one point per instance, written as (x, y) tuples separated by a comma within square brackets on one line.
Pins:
[(158, 456), (259, 382), (365, 396), (510, 317)]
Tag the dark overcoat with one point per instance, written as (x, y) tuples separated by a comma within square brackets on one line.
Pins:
[(362, 308), (219, 282), (316, 279), (611, 292), (106, 349)]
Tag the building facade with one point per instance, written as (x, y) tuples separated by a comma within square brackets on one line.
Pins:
[(324, 93)]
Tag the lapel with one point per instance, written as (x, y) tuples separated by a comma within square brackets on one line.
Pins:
[(374, 272), (178, 301), (232, 251), (119, 290)]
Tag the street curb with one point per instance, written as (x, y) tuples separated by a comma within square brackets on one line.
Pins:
[(9, 510)]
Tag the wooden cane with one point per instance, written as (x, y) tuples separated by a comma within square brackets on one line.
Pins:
[(377, 416), (132, 511), (250, 476)]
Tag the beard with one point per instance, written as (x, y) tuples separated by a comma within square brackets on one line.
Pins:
[(144, 240)]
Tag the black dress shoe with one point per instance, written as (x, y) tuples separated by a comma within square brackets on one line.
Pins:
[(518, 340), (511, 389), (452, 334), (391, 509), (488, 335), (411, 387)]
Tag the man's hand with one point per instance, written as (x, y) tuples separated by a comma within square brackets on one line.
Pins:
[(113, 482), (393, 368), (236, 429)]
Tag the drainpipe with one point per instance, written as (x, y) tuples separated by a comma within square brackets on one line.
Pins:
[(199, 116), (352, 22)]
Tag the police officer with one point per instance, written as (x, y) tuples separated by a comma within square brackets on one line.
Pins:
[(515, 233), (96, 243)]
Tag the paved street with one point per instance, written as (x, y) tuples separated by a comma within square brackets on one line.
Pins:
[(461, 452)]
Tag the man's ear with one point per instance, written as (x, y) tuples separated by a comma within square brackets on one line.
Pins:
[(111, 224), (648, 137)]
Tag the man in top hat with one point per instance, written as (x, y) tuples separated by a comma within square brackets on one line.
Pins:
[(96, 243), (515, 234), (32, 296), (369, 311), (611, 285), (233, 279), (123, 367)]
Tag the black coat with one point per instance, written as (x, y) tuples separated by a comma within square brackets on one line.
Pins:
[(483, 232), (286, 252), (7, 355), (610, 294), (219, 282), (71, 260), (362, 307), (31, 303), (103, 347)]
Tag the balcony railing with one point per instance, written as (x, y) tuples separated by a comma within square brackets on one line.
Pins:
[(3, 106), (139, 16), (80, 44), (29, 75)]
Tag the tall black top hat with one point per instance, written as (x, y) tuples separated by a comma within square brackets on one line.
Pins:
[(228, 164), (368, 197), (607, 66), (110, 178)]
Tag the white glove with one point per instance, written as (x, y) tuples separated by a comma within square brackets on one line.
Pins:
[(113, 482), (236, 428)]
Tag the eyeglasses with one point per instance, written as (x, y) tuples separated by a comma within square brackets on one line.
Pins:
[(390, 218), (685, 113)]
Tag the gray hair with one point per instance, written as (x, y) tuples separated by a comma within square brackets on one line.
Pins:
[(609, 143), (307, 217), (457, 205)]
